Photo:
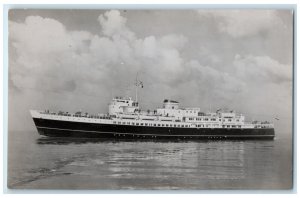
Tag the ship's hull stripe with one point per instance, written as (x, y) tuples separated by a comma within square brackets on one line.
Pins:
[(138, 134)]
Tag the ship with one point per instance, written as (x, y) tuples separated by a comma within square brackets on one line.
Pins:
[(126, 120)]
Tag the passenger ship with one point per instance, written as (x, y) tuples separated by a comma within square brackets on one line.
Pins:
[(125, 120)]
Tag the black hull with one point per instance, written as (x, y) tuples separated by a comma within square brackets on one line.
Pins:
[(57, 128)]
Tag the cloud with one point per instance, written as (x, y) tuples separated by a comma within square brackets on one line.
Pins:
[(48, 57), (262, 68), (240, 23), (218, 81), (34, 30), (113, 24), (268, 85)]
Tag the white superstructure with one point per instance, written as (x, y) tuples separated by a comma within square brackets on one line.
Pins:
[(171, 112)]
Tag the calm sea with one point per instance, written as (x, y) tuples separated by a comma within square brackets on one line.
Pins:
[(36, 162)]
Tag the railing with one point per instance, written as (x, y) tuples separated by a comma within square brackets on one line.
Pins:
[(262, 125), (86, 115), (257, 124)]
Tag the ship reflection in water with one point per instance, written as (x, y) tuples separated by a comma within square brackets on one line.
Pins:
[(103, 164), (194, 160)]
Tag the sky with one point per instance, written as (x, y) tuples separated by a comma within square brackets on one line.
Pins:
[(74, 60)]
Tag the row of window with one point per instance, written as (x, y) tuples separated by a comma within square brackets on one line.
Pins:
[(80, 115), (78, 119), (212, 119), (181, 111), (123, 101), (207, 125), (175, 125), (205, 119), (231, 126), (151, 124)]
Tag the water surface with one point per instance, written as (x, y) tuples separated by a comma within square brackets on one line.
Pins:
[(36, 162)]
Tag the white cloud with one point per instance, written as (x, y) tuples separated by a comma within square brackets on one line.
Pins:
[(148, 47), (268, 85), (262, 68), (49, 56), (113, 24), (33, 32), (239, 23), (220, 84), (173, 41)]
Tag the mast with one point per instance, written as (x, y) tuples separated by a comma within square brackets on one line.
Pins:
[(137, 84), (136, 87)]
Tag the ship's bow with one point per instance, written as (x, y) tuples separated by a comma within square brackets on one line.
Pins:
[(36, 116)]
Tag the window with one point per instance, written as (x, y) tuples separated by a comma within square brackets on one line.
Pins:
[(132, 123), (237, 120), (186, 125), (229, 120), (206, 119), (119, 122), (182, 125), (162, 125), (114, 122), (123, 122), (158, 124), (146, 124), (142, 124), (137, 124)]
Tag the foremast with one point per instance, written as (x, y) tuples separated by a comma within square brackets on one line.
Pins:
[(138, 84)]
